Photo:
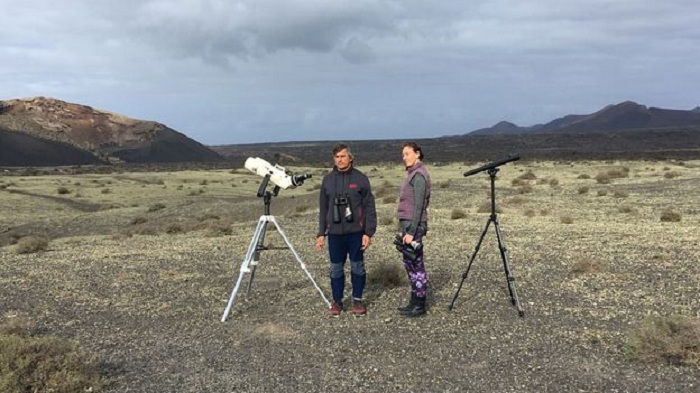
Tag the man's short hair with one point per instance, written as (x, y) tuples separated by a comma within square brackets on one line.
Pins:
[(342, 146)]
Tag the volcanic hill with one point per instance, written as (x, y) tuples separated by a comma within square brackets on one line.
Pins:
[(46, 131)]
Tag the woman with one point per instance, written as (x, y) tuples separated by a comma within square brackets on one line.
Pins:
[(413, 223)]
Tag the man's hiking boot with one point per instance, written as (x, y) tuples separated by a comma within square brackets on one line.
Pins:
[(335, 310), (358, 309)]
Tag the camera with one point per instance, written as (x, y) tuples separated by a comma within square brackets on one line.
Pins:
[(409, 250), (342, 208), (278, 175)]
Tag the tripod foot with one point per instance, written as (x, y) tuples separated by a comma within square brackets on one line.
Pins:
[(521, 313)]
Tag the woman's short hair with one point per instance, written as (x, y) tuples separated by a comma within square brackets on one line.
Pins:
[(415, 147)]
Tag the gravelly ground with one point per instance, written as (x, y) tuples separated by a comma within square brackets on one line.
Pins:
[(150, 306)]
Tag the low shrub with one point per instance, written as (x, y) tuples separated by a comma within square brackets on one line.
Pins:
[(31, 244), (386, 220), (458, 213), (567, 220), (387, 275), (588, 266), (669, 215), (45, 363), (673, 340), (156, 207)]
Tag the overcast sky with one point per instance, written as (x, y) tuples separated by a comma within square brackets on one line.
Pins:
[(226, 72)]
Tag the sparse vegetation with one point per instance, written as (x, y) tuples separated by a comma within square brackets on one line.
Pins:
[(458, 213), (588, 265), (31, 244), (673, 340), (138, 220), (670, 215), (32, 363), (115, 290), (567, 219), (620, 194), (387, 275), (156, 207)]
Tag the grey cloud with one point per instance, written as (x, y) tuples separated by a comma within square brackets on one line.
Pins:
[(357, 52)]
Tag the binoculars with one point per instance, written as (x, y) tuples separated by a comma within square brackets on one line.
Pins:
[(409, 250), (342, 209)]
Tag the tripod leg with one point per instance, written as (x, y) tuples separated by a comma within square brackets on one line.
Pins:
[(244, 267), (259, 246), (471, 260), (303, 266), (510, 280)]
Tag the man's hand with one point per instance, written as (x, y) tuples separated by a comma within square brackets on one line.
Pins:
[(366, 241), (320, 240), (407, 238)]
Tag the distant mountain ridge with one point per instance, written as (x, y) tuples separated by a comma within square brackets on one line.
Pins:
[(47, 131), (625, 116)]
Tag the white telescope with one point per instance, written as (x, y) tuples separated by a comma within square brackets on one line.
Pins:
[(278, 175)]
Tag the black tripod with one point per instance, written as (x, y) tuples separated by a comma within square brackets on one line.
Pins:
[(492, 169)]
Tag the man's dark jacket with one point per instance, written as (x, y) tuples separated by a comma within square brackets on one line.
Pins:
[(355, 186)]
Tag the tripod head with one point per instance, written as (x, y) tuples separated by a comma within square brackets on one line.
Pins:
[(492, 169), (492, 165)]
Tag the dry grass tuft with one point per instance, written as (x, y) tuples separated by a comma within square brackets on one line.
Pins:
[(458, 213), (567, 219), (620, 194), (583, 190), (389, 199), (156, 207), (627, 209), (669, 215), (386, 220), (387, 275), (529, 175), (525, 188), (588, 266), (138, 220), (174, 228), (31, 244), (672, 340), (44, 363)]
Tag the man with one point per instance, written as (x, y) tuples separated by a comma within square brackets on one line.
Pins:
[(348, 218)]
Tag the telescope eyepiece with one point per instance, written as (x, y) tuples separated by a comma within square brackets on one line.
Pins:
[(298, 180)]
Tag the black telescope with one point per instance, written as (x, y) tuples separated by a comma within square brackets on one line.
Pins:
[(492, 165)]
